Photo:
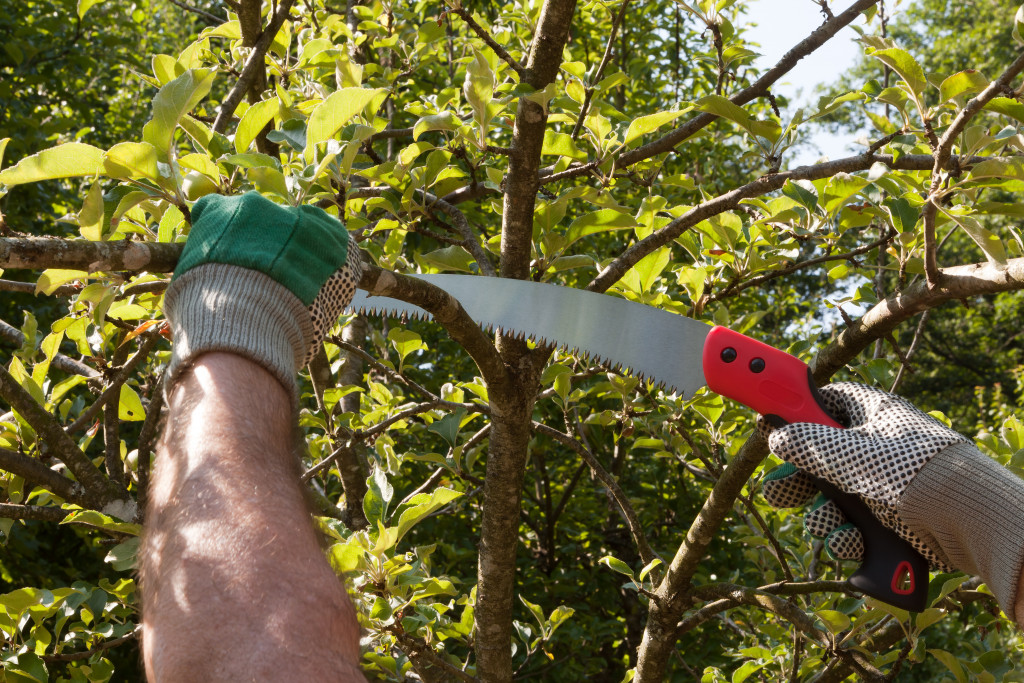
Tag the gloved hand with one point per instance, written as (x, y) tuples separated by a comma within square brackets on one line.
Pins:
[(260, 280), (957, 507)]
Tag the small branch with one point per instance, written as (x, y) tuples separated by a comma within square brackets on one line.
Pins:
[(851, 255), (215, 21), (147, 437), (605, 59), (911, 351), (467, 17), (647, 554), (42, 513), (123, 373), (105, 645), (59, 361), (38, 474), (98, 489), (816, 39), (459, 219), (30, 288), (942, 156), (251, 70)]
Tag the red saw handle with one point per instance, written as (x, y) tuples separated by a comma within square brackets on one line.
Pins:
[(779, 385)]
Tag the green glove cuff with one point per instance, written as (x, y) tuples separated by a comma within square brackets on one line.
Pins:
[(971, 508), (217, 307), (299, 248)]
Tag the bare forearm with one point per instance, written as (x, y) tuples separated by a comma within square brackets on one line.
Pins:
[(235, 586)]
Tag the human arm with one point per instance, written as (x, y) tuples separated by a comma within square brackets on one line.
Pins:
[(931, 485), (234, 583)]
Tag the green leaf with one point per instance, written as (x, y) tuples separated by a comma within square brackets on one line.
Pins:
[(99, 520), (172, 102), (422, 506), (720, 106), (991, 245), (969, 81), (834, 621), (123, 555), (1007, 107), (53, 278), (903, 64), (378, 495), (478, 89), (253, 121), (602, 220), (746, 670), (643, 125), (561, 144), (803, 192), (129, 406), (446, 120), (951, 662), (70, 160), (448, 426), (840, 188), (131, 160), (449, 258), (85, 5), (90, 218), (616, 565), (904, 216), (338, 109)]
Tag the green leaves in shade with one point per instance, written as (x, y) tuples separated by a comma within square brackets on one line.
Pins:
[(70, 160), (172, 102), (338, 109)]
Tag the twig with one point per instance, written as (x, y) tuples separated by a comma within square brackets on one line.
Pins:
[(467, 17), (82, 421), (605, 58), (942, 156), (252, 67), (30, 288), (215, 21), (98, 489), (43, 513), (105, 645), (459, 219), (647, 554), (59, 361), (910, 352)]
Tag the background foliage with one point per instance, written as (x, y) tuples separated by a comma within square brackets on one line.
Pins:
[(498, 510)]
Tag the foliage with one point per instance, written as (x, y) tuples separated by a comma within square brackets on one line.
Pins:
[(629, 152)]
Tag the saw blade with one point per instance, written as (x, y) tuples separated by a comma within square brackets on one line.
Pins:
[(643, 341)]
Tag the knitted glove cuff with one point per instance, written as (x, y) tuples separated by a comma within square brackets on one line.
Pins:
[(220, 307), (972, 509)]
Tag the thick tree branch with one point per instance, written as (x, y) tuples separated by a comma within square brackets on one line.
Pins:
[(253, 67), (52, 252), (759, 88)]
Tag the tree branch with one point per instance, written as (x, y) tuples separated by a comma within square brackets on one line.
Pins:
[(467, 17), (99, 489), (59, 360), (38, 474), (252, 68), (759, 88), (636, 529), (942, 156), (42, 513)]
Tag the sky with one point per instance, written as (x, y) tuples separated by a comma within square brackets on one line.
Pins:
[(781, 25)]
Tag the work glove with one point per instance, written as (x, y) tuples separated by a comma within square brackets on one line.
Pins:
[(929, 484), (260, 280)]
